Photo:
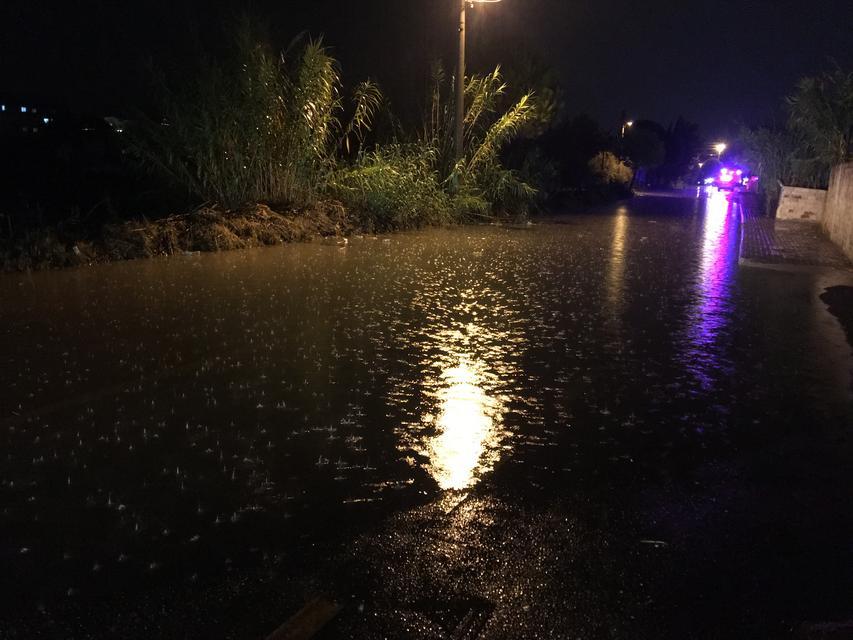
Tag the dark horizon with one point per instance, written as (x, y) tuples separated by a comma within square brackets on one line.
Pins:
[(713, 63)]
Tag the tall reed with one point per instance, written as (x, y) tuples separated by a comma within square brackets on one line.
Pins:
[(251, 126)]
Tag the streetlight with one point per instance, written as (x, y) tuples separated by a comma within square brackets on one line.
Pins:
[(460, 78), (626, 126), (719, 148)]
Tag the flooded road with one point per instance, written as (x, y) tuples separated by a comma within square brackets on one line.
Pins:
[(596, 426)]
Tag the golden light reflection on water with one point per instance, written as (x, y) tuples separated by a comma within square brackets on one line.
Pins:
[(616, 266), (466, 443), (469, 345)]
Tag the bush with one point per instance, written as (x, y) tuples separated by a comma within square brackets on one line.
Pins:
[(610, 171), (394, 187), (818, 136)]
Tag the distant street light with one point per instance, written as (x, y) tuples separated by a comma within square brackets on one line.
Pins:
[(460, 78), (627, 124), (720, 147)]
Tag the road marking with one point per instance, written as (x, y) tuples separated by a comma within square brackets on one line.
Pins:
[(307, 621)]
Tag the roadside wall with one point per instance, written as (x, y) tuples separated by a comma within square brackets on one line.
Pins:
[(838, 212), (796, 203)]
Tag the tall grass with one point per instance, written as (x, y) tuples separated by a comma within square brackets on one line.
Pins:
[(395, 186), (254, 127), (419, 182), (479, 175)]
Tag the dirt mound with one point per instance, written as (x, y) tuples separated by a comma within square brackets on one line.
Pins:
[(206, 229)]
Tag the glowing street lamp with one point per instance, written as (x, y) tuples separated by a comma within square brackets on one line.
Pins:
[(720, 147), (460, 78), (626, 126)]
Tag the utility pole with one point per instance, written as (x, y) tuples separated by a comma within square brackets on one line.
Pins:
[(460, 86), (459, 138)]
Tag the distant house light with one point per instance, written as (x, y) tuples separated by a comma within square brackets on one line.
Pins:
[(23, 109), (2, 107), (46, 120)]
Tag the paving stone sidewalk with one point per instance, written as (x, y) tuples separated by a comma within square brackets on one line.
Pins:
[(788, 242)]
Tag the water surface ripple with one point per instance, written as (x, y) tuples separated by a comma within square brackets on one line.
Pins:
[(171, 419)]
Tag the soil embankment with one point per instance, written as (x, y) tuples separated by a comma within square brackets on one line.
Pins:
[(206, 229)]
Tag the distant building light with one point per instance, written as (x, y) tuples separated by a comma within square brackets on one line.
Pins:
[(23, 109), (2, 107), (46, 120)]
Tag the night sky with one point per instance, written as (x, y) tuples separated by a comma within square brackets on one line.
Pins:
[(714, 62)]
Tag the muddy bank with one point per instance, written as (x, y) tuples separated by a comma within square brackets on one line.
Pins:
[(206, 229)]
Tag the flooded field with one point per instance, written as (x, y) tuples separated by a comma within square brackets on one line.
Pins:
[(190, 420)]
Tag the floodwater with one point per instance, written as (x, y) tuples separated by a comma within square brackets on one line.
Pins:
[(665, 433)]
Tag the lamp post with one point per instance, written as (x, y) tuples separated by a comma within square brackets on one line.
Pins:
[(720, 147), (460, 78), (626, 124)]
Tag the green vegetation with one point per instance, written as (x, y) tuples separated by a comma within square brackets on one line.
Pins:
[(645, 146), (821, 119), (394, 186), (817, 135), (610, 171), (266, 148), (253, 128), (417, 181), (478, 178)]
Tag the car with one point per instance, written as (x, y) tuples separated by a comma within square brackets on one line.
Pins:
[(729, 179)]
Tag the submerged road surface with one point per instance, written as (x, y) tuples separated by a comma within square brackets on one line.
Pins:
[(594, 427)]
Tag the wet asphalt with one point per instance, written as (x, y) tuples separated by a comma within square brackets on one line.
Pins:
[(596, 426)]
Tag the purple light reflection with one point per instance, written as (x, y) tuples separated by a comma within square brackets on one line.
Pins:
[(711, 313)]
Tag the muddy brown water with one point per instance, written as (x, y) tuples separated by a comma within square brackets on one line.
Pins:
[(176, 421)]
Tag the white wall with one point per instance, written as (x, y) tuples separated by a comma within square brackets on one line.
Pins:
[(838, 212), (797, 203)]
